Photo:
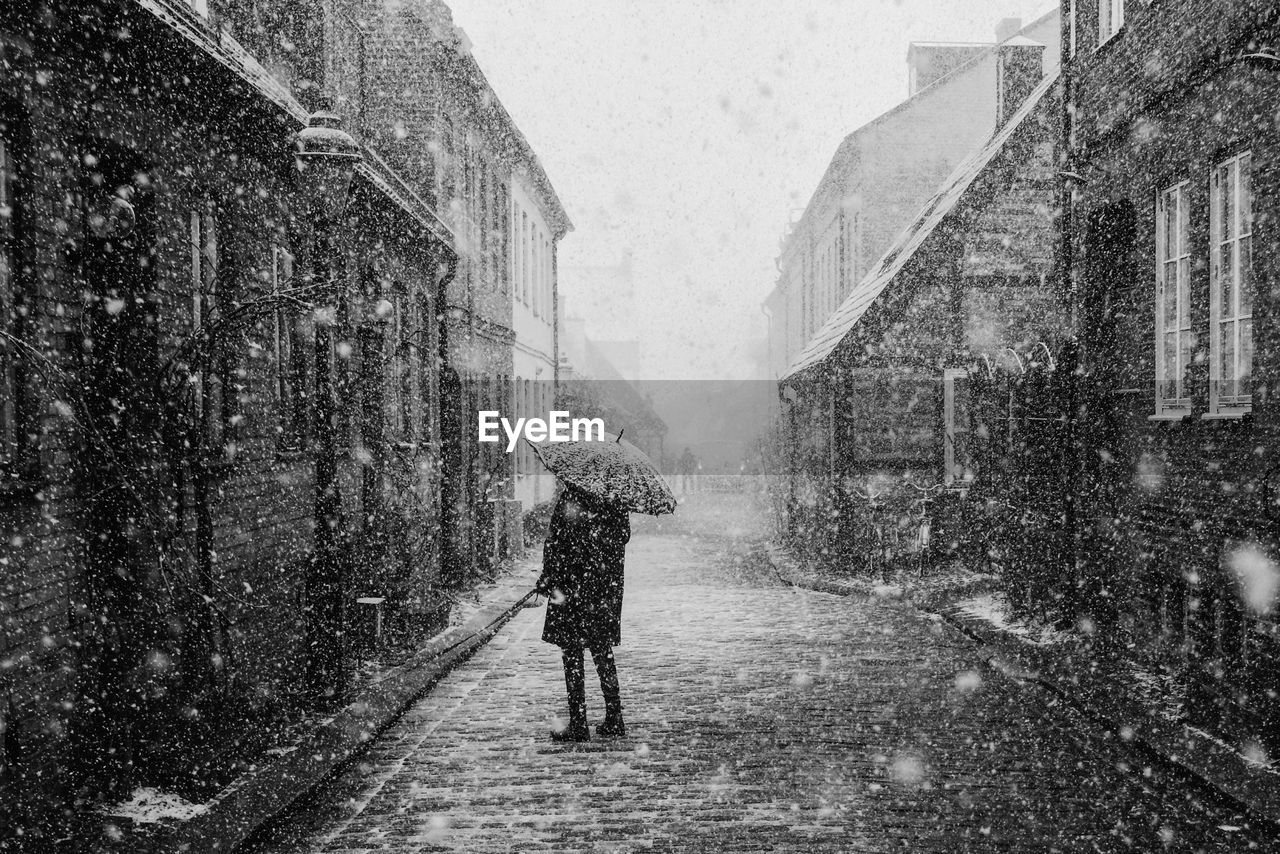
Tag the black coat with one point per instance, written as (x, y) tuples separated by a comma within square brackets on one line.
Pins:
[(582, 569)]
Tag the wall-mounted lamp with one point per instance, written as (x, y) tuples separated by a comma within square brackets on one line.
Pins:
[(325, 157)]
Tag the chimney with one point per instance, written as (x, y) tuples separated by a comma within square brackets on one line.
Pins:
[(1008, 28), (1019, 70)]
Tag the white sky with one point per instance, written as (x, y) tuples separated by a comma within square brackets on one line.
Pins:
[(691, 130)]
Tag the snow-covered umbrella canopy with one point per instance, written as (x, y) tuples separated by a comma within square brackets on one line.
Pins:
[(613, 470)]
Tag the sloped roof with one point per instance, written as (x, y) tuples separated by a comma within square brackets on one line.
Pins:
[(220, 46), (938, 208), (937, 87)]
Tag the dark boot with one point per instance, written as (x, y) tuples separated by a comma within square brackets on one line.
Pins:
[(575, 685), (607, 669)]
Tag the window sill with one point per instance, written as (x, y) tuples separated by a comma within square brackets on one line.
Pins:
[(1169, 416), (1103, 44), (1226, 416)]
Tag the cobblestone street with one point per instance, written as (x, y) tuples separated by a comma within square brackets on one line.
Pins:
[(761, 718)]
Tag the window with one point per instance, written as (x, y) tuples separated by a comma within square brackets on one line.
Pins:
[(1173, 299), (482, 217), (1110, 19), (524, 258), (549, 307), (955, 404), (448, 167), (287, 349), (1231, 294), (402, 378), (495, 225), (209, 403), (515, 255), (10, 378), (536, 282), (1071, 24), (503, 224)]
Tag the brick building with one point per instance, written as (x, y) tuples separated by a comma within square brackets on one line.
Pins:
[(1127, 465), (538, 223), (881, 394), (1172, 250), (222, 420), (429, 110), (880, 176)]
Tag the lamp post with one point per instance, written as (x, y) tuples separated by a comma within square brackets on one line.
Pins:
[(325, 158)]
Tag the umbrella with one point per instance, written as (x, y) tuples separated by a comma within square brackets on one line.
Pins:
[(612, 470)]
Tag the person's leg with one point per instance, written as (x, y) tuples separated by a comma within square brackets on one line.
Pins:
[(575, 685), (607, 669)]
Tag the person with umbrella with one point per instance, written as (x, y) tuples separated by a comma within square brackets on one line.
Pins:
[(582, 565)]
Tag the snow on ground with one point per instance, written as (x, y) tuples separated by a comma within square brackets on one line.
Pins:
[(150, 806), (993, 608), (1160, 691), (1251, 752)]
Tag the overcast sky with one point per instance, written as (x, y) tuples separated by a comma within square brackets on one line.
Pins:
[(690, 131)]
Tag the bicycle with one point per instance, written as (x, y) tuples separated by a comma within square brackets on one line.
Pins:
[(924, 521), (887, 535)]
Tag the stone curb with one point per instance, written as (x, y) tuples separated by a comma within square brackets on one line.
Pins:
[(790, 571), (1103, 697), (265, 793), (1098, 695)]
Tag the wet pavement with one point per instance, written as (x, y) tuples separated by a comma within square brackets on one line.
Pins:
[(761, 718)]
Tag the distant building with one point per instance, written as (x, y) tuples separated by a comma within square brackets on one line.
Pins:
[(881, 394), (591, 384), (882, 174), (605, 292), (537, 223)]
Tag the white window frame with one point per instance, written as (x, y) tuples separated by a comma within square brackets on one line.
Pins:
[(549, 310), (1110, 20), (1173, 282), (282, 349), (400, 375), (951, 428), (536, 280), (1072, 31), (1231, 251), (202, 227), (524, 258), (515, 248)]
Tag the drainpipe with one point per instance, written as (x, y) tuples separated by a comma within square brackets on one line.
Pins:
[(1071, 477)]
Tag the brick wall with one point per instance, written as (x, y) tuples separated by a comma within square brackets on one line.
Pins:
[(237, 527), (877, 182), (980, 283), (1164, 102)]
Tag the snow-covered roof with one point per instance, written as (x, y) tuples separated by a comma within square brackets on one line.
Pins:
[(220, 46), (939, 207)]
